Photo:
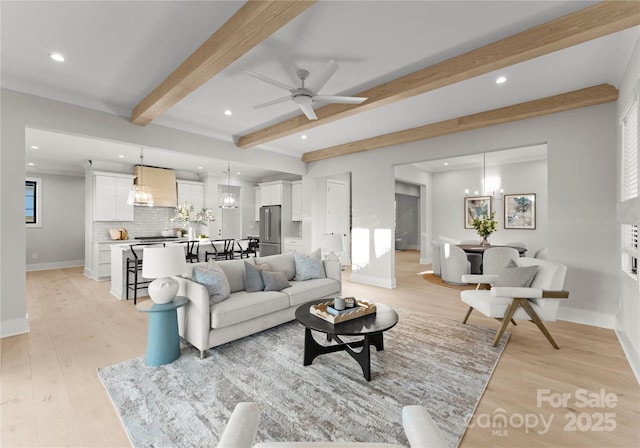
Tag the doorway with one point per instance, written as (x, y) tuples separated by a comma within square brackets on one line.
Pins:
[(339, 215)]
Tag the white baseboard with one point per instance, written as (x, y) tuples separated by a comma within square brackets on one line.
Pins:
[(56, 265), (14, 327), (630, 350), (586, 317), (373, 281)]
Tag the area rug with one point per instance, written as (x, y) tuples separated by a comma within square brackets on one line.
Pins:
[(432, 278), (427, 360)]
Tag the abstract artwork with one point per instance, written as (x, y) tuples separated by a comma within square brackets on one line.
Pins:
[(520, 211), (475, 207)]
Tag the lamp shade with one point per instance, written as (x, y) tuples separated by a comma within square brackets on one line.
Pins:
[(158, 262), (332, 242)]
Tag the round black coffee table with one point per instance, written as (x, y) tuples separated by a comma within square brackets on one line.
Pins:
[(370, 327)]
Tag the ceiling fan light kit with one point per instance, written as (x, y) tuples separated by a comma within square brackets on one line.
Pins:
[(305, 96)]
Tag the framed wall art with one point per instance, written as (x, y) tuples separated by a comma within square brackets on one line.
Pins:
[(475, 207), (520, 211)]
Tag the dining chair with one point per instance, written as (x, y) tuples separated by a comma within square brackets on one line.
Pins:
[(192, 251), (495, 259), (474, 259), (435, 254), (453, 264), (542, 253)]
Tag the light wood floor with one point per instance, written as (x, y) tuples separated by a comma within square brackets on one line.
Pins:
[(51, 395)]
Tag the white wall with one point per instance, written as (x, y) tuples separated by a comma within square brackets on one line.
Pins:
[(581, 227), (628, 312), (448, 202), (60, 240)]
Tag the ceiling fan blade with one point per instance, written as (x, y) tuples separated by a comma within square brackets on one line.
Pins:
[(319, 80), (338, 99), (273, 82), (308, 111), (276, 101)]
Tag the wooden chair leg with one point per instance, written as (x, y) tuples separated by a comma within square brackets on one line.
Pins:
[(536, 320), (468, 314), (505, 321)]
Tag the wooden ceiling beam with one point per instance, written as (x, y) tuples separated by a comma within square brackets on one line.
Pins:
[(252, 24), (599, 20), (589, 96)]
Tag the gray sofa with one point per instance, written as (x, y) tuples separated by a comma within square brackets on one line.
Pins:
[(206, 325)]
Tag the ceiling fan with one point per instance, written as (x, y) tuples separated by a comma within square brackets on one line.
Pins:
[(304, 96)]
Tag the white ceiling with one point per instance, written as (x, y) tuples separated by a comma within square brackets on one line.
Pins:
[(117, 52)]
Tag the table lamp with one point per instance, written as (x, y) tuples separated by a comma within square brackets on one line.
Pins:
[(332, 243), (161, 263)]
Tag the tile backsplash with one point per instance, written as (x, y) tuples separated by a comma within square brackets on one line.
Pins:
[(148, 221)]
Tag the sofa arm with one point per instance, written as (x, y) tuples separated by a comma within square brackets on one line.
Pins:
[(420, 429), (194, 319), (333, 269), (242, 427)]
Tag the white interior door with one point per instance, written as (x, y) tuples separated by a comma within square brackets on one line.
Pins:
[(339, 216)]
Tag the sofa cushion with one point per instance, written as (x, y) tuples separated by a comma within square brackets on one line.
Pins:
[(308, 267), (305, 291), (243, 306), (234, 270), (274, 281), (215, 281), (281, 262)]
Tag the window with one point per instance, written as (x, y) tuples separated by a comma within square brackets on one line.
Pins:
[(32, 200), (630, 153), (630, 248)]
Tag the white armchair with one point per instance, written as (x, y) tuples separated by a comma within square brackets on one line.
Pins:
[(513, 294), (241, 429)]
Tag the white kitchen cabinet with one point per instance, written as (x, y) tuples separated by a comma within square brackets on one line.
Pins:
[(271, 194), (296, 201), (191, 192), (101, 266), (110, 194), (257, 202), (291, 244)]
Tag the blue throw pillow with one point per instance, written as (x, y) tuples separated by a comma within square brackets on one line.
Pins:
[(309, 267), (215, 281)]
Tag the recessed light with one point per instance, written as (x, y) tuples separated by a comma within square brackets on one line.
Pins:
[(200, 168), (303, 137), (121, 156), (228, 112), (238, 173), (56, 57), (446, 163), (34, 147), (31, 164), (501, 80)]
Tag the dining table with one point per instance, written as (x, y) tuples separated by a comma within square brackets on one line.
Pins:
[(475, 252)]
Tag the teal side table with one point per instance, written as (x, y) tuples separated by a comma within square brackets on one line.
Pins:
[(163, 340)]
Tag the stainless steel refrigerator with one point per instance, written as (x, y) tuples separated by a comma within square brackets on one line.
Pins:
[(270, 220)]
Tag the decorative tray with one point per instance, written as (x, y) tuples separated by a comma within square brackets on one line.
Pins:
[(362, 308)]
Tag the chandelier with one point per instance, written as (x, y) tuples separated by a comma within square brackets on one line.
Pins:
[(228, 199), (140, 194)]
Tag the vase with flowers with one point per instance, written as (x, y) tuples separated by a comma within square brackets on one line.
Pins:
[(485, 226), (186, 214)]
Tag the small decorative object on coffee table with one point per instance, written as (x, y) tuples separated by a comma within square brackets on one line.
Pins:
[(369, 326), (335, 315)]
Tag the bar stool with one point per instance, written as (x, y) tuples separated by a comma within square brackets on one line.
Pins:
[(225, 254), (193, 251), (134, 266)]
